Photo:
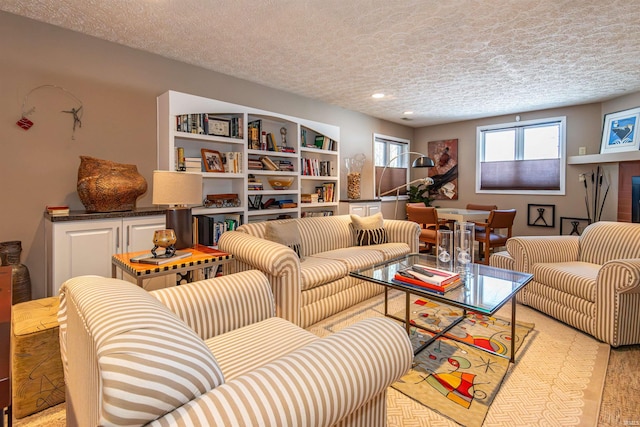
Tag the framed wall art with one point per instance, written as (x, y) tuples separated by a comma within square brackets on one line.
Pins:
[(212, 160), (572, 226), (541, 215), (444, 173), (619, 131)]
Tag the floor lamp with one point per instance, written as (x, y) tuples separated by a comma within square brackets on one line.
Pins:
[(178, 190), (421, 162)]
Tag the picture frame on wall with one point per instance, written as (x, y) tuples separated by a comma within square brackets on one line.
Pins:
[(541, 215), (620, 131), (212, 160), (572, 226)]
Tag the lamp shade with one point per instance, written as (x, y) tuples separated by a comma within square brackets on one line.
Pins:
[(423, 162), (177, 188)]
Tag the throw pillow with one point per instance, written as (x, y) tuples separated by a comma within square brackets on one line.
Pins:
[(285, 233), (369, 230)]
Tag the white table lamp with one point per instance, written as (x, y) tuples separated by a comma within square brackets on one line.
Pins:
[(178, 190)]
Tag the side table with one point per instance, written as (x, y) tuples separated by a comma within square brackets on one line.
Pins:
[(5, 352), (202, 257)]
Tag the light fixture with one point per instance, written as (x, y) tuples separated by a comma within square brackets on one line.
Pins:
[(378, 95), (408, 113), (178, 190), (421, 162)]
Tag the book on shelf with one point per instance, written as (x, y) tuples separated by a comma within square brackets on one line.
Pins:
[(160, 259), (269, 164), (288, 205), (309, 198), (255, 164), (310, 214), (210, 228), (232, 162)]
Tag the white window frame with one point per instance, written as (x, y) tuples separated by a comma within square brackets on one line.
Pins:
[(561, 120), (404, 160)]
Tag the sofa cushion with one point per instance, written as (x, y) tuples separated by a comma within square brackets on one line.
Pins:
[(319, 271), (369, 230), (285, 233), (248, 348), (574, 278), (391, 250), (353, 258)]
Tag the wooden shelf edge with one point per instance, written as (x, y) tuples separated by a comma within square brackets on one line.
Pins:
[(625, 156)]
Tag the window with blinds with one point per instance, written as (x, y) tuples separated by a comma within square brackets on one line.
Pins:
[(521, 157), (388, 152)]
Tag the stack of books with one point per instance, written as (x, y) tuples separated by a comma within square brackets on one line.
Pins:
[(58, 210), (429, 278)]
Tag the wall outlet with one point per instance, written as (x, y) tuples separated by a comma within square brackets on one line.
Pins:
[(582, 151)]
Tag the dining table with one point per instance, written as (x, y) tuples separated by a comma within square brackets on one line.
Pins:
[(462, 215)]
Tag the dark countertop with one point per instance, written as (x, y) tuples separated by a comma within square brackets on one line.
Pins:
[(84, 215)]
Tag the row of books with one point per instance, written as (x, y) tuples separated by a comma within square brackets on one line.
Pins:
[(319, 141), (232, 162), (255, 203), (266, 163), (429, 278), (210, 124), (259, 139), (309, 214), (315, 167), (326, 192), (210, 229)]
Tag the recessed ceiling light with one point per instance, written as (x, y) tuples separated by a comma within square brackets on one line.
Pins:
[(378, 95), (407, 113)]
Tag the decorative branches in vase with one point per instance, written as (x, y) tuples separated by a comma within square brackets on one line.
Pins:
[(596, 188)]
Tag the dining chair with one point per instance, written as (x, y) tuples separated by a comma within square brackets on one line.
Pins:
[(427, 217), (494, 232), (474, 207)]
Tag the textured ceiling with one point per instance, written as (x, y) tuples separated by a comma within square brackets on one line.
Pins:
[(445, 60)]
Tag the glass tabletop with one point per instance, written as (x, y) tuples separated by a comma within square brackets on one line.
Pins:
[(485, 290)]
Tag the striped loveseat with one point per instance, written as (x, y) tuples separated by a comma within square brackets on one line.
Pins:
[(317, 284), (591, 281), (213, 353)]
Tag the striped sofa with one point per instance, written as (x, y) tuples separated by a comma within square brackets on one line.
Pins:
[(213, 353), (317, 285), (591, 281)]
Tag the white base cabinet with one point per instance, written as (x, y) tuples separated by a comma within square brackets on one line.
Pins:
[(360, 208), (85, 247)]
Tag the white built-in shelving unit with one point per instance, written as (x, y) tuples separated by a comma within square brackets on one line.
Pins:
[(172, 104)]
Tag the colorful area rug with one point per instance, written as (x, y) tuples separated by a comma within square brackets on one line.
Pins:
[(453, 376)]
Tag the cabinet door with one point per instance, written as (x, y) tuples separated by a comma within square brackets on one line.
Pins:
[(138, 232), (83, 247), (373, 208), (359, 209)]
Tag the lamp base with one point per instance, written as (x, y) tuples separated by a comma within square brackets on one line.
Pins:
[(180, 221)]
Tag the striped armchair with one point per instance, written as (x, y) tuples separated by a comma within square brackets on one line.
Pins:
[(591, 281), (213, 353), (317, 284)]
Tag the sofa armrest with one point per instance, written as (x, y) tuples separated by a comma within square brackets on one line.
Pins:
[(269, 257), (214, 306), (279, 263), (403, 232), (617, 298), (317, 385), (529, 250)]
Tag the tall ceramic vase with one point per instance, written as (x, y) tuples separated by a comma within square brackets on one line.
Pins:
[(20, 279)]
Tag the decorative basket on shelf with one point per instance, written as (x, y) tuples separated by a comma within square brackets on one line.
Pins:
[(281, 182)]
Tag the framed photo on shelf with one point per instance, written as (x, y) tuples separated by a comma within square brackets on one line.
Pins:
[(572, 226), (219, 127), (619, 132), (541, 215), (212, 160)]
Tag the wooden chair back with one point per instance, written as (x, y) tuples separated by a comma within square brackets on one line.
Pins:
[(475, 207), (488, 235)]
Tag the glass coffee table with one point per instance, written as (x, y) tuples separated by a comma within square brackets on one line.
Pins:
[(485, 290)]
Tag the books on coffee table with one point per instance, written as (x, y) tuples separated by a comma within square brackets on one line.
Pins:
[(429, 278)]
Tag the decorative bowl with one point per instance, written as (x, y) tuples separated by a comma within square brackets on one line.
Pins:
[(281, 182)]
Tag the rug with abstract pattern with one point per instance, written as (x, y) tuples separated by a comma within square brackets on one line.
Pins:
[(453, 376)]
